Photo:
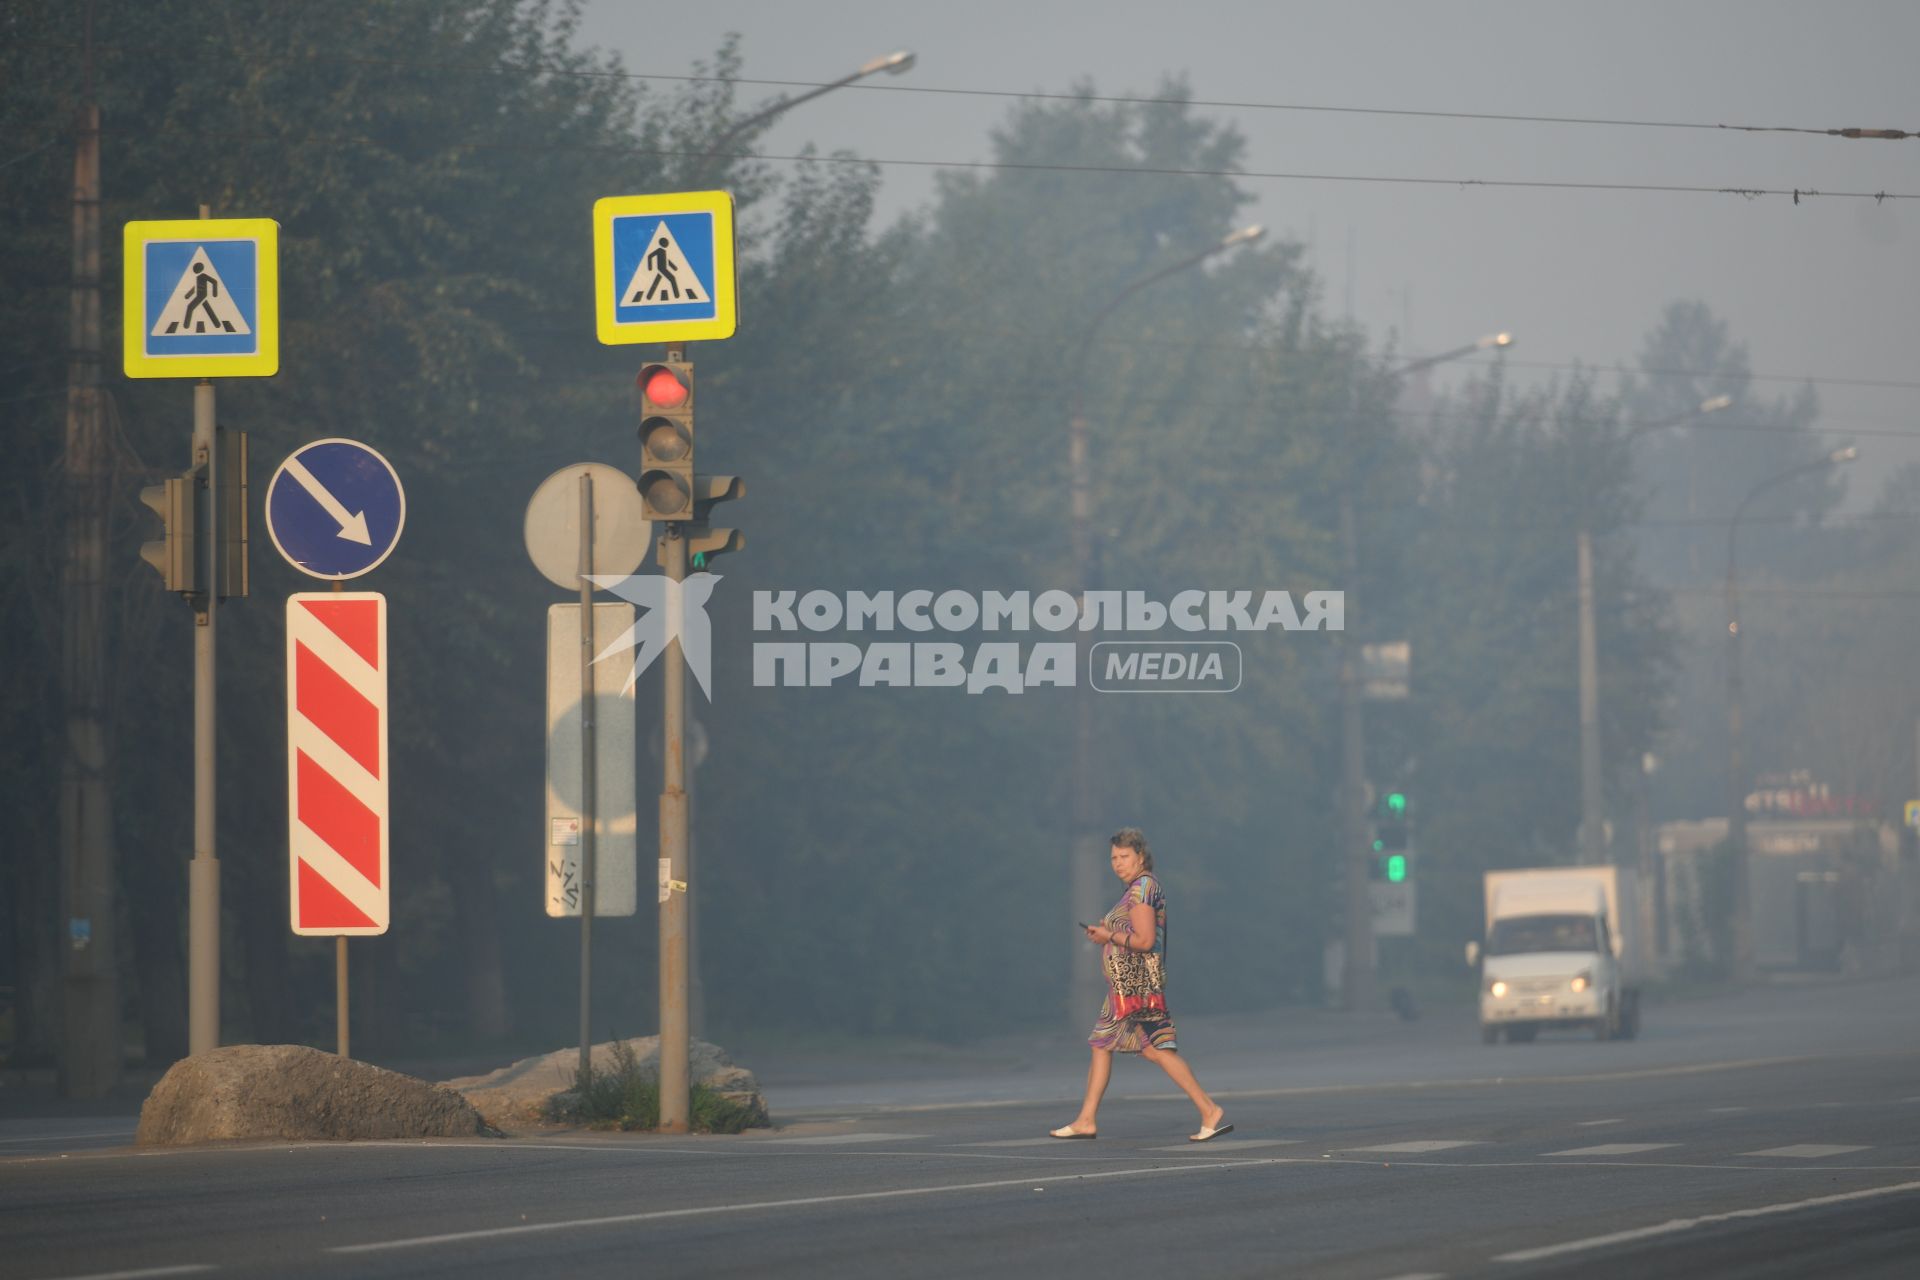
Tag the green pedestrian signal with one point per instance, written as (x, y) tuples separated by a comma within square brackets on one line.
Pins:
[(1396, 868)]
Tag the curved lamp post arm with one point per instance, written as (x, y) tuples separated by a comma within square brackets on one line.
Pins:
[(1245, 235), (1847, 454), (891, 63), (1493, 341)]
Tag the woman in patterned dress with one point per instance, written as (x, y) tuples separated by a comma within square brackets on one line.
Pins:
[(1133, 1019)]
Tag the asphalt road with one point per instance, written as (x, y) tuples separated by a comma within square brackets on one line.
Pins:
[(1774, 1134)]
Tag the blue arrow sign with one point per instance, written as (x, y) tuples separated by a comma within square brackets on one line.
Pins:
[(335, 509)]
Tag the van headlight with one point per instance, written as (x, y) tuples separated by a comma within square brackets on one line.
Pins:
[(1581, 981), (1496, 988)]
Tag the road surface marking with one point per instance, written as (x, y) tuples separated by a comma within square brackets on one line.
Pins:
[(1015, 1142), (1588, 1124), (1725, 1111), (1685, 1224), (1615, 1149), (71, 1137), (188, 1269), (802, 1202), (843, 1139), (1214, 1145), (1804, 1151), (1412, 1147), (1420, 1275)]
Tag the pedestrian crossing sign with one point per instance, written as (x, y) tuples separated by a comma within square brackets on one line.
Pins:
[(202, 298), (663, 267)]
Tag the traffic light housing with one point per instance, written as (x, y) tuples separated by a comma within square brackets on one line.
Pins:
[(176, 501), (1392, 822), (1390, 868), (182, 504), (667, 492)]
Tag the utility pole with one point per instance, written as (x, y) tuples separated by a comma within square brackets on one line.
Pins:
[(1356, 983), (675, 1084), (1593, 851), (90, 1039)]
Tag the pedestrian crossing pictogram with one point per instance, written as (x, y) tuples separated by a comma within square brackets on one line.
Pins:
[(200, 302), (664, 275)]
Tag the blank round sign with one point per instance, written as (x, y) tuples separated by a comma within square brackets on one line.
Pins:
[(621, 530)]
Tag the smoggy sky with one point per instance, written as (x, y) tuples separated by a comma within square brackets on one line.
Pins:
[(1828, 289)]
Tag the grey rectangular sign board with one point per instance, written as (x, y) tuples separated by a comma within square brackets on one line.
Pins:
[(616, 769)]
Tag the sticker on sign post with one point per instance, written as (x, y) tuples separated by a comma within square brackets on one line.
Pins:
[(663, 267), (201, 298)]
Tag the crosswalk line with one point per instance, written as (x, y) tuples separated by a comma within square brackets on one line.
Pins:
[(1016, 1142), (1615, 1149), (1412, 1148), (1216, 1145), (842, 1139), (1805, 1151)]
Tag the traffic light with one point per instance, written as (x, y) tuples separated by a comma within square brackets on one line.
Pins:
[(231, 479), (181, 503), (1390, 868), (1391, 822), (177, 502), (666, 441), (704, 542)]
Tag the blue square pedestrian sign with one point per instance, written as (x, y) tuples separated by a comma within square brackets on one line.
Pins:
[(202, 298), (663, 267)]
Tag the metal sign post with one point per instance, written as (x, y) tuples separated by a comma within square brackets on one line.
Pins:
[(675, 1086), (335, 510), (588, 769), (585, 520), (200, 299)]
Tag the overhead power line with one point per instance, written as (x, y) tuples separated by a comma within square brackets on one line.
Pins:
[(1037, 95), (1015, 166)]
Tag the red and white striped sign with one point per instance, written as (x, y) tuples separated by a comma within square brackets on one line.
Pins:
[(337, 762)]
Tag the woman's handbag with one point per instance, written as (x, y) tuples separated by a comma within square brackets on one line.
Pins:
[(1138, 979)]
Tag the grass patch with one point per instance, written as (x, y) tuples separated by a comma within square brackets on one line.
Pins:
[(628, 1097)]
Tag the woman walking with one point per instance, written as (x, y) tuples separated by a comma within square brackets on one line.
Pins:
[(1134, 1018)]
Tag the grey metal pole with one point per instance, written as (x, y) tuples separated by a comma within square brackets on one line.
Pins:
[(588, 778), (203, 873), (676, 1099), (342, 1044), (1592, 798), (1083, 876), (1357, 979)]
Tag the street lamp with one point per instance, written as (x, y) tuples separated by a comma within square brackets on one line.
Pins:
[(893, 64), (679, 952), (1493, 341), (1083, 851), (1736, 784), (1592, 793), (1356, 983)]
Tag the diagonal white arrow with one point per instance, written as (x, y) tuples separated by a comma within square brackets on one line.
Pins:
[(353, 527)]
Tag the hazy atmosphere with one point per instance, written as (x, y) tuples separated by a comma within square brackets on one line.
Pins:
[(1443, 473)]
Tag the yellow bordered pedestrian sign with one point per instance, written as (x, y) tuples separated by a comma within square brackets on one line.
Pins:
[(663, 267), (202, 298)]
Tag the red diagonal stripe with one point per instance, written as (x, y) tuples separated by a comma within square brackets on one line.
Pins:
[(336, 708), (334, 814), (356, 622), (323, 907)]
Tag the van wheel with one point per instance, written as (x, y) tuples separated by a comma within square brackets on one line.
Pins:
[(1630, 1017), (1521, 1033), (1604, 1027)]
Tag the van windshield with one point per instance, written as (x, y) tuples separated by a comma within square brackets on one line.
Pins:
[(1518, 935)]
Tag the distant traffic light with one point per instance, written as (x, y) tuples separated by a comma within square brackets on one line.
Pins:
[(177, 502), (666, 441), (181, 503), (1391, 822)]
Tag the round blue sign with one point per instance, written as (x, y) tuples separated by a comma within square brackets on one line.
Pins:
[(335, 509)]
